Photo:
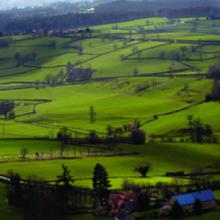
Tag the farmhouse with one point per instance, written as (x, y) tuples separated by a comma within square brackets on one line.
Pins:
[(122, 201), (187, 201)]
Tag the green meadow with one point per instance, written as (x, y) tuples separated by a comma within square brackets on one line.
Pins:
[(171, 157), (136, 78), (142, 71)]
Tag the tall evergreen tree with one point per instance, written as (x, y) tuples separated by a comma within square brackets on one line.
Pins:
[(101, 184), (65, 178)]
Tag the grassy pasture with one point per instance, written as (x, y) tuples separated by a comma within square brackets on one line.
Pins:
[(172, 157), (116, 102), (150, 22)]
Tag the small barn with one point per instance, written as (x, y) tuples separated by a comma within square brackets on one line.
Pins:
[(187, 201)]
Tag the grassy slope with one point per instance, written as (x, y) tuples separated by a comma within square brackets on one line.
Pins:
[(116, 102)]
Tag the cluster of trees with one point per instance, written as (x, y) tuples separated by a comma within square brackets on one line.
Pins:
[(77, 74), (181, 54), (121, 11), (71, 74), (146, 85), (5, 42), (21, 59), (6, 109), (56, 79), (215, 93), (175, 55), (199, 132), (189, 12), (64, 136), (214, 73), (130, 133), (55, 202), (133, 131), (101, 185), (78, 48), (156, 5), (41, 201), (66, 21)]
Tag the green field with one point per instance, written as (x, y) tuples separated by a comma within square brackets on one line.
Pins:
[(116, 100), (171, 157), (151, 70)]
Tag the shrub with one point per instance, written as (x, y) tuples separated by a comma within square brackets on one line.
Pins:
[(138, 136), (143, 169)]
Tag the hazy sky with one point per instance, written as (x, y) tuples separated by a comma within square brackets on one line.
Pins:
[(23, 3)]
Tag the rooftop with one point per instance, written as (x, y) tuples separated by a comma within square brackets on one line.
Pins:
[(189, 199)]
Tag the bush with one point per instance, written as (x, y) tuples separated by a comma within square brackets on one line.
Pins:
[(215, 93), (138, 136), (143, 169), (214, 71), (93, 138)]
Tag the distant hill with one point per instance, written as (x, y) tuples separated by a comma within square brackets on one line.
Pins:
[(147, 5), (59, 16)]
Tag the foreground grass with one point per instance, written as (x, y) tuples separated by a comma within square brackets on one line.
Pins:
[(163, 157)]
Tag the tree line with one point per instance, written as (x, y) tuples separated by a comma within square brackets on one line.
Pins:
[(214, 74), (130, 133), (68, 21), (39, 200), (199, 132)]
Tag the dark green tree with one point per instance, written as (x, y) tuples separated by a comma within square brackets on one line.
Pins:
[(101, 184), (214, 71), (214, 95), (137, 136), (110, 130), (65, 179), (14, 189), (6, 107), (143, 169), (63, 136), (93, 137)]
